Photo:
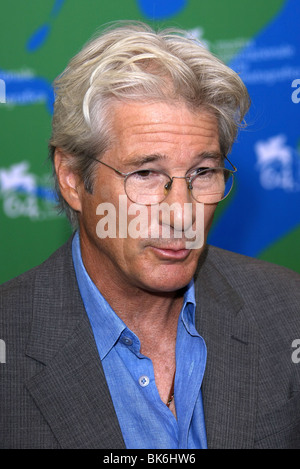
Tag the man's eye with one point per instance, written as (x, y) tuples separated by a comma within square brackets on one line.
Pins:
[(201, 170), (143, 174)]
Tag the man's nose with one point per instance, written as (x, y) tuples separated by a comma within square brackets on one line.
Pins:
[(177, 208)]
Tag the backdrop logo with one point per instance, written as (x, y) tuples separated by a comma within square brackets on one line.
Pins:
[(25, 194), (23, 88), (278, 164)]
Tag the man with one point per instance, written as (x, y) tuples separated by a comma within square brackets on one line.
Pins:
[(136, 334)]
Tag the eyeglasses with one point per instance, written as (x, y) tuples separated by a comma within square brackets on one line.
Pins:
[(208, 185)]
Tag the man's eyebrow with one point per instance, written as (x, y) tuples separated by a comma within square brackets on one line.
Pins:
[(140, 160), (143, 159), (210, 155)]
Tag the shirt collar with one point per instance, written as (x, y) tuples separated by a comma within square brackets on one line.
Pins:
[(188, 310), (104, 321)]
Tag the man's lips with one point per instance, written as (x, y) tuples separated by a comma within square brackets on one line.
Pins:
[(170, 252)]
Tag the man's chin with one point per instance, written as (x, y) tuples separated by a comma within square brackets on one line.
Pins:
[(168, 280)]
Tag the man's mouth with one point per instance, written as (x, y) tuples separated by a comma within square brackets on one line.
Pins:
[(171, 252)]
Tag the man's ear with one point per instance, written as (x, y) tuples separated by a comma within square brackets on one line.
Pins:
[(68, 181)]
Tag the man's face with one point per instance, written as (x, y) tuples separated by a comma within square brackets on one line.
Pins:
[(157, 136)]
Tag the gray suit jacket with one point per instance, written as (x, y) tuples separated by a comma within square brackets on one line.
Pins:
[(53, 389)]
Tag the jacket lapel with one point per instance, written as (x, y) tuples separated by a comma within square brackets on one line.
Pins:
[(71, 390), (230, 380)]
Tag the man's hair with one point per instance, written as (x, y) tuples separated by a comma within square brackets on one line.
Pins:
[(132, 62)]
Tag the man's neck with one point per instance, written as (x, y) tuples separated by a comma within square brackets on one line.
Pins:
[(141, 309), (145, 313)]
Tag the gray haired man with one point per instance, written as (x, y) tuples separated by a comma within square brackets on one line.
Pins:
[(128, 336)]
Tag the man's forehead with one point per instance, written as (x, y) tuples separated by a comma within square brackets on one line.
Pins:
[(144, 118), (144, 133)]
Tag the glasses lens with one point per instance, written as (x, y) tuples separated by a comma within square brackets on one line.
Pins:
[(146, 187), (212, 185)]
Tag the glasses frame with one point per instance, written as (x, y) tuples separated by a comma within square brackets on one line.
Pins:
[(189, 179)]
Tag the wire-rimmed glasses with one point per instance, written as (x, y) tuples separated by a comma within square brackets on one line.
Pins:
[(207, 185)]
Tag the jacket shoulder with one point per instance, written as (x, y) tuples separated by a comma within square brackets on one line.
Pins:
[(53, 262), (17, 294), (271, 289), (234, 264)]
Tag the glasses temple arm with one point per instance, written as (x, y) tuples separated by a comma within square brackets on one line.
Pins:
[(107, 165), (231, 164)]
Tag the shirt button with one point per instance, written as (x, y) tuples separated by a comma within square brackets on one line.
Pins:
[(144, 381), (127, 341)]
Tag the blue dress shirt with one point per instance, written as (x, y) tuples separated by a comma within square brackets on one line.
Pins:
[(145, 421)]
